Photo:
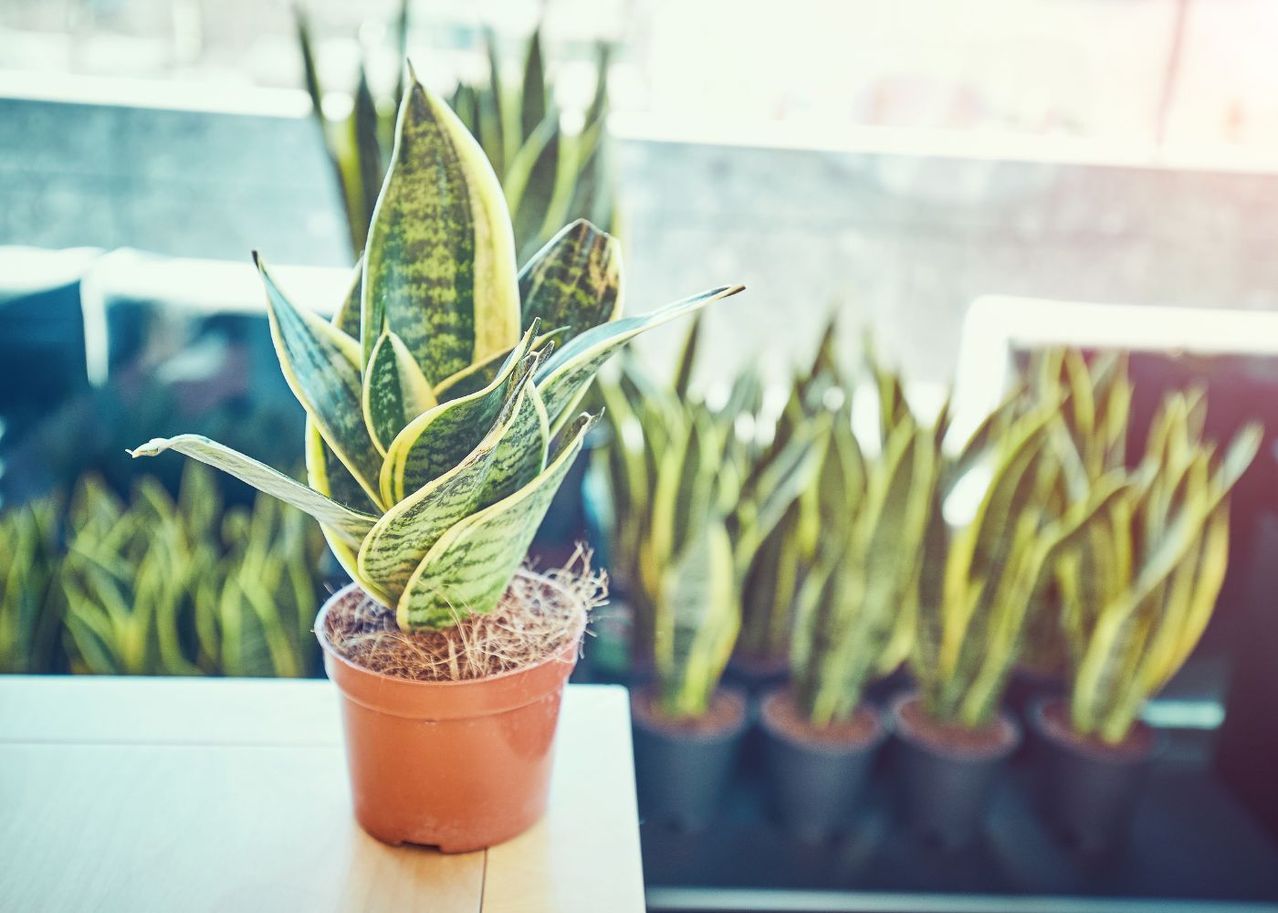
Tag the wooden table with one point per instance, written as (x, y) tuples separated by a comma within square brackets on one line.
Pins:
[(132, 795)]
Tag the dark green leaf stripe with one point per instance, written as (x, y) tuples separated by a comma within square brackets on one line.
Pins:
[(395, 392), (469, 568), (566, 374), (440, 258), (321, 365), (440, 438), (574, 281), (351, 525), (509, 456)]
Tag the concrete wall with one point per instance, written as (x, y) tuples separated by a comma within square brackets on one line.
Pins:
[(905, 242)]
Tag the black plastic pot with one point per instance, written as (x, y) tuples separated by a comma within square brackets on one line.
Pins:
[(814, 785), (946, 788), (681, 772), (1089, 791)]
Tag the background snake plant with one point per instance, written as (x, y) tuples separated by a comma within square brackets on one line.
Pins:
[(694, 495), (1138, 588), (441, 397), (550, 175)]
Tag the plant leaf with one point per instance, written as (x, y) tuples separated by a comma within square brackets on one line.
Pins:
[(574, 281), (510, 455), (321, 366), (350, 524), (439, 439), (533, 108), (565, 375), (470, 566), (440, 262), (395, 390)]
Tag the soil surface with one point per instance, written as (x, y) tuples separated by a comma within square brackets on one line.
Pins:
[(1136, 746), (782, 715), (992, 739), (726, 712), (537, 619)]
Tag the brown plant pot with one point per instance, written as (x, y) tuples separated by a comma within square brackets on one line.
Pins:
[(455, 765)]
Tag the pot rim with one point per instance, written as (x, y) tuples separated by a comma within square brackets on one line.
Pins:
[(965, 754), (831, 749), (427, 700), (331, 651), (1082, 746), (727, 734)]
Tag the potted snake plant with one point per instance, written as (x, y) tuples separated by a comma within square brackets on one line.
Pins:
[(854, 620), (711, 498), (978, 581), (1138, 589), (441, 404), (1090, 438)]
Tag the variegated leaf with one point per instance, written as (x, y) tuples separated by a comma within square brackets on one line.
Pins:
[(321, 365), (470, 566), (350, 524), (567, 373), (510, 455), (440, 438), (440, 262), (395, 390), (574, 281)]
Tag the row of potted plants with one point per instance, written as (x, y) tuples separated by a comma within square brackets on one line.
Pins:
[(157, 585), (795, 545)]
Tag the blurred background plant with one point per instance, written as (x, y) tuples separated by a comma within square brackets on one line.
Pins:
[(1139, 586), (551, 175), (694, 493), (158, 586)]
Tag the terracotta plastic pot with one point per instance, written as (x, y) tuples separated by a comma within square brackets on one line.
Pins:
[(948, 776), (456, 765), (815, 779), (1088, 790)]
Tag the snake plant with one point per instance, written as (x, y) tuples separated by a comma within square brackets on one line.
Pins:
[(693, 500), (441, 397), (981, 575), (1090, 439), (1139, 587), (551, 176), (858, 603), (164, 587), (30, 599)]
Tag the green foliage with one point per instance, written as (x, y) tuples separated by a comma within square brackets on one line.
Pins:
[(1139, 587), (1090, 440), (551, 176), (157, 587), (440, 415), (857, 605), (31, 603), (695, 493), (982, 576)]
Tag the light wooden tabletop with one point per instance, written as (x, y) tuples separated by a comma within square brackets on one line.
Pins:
[(124, 794)]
